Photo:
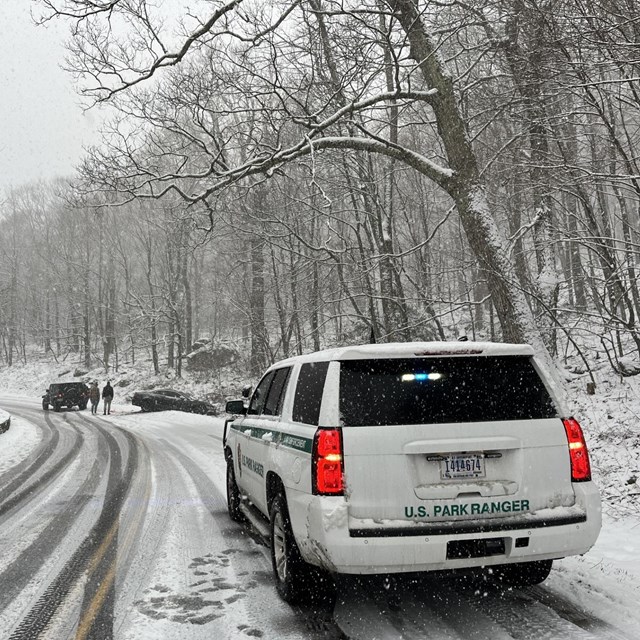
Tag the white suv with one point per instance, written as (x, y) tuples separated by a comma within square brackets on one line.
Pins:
[(411, 457)]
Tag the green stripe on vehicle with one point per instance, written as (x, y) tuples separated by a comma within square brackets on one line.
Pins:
[(289, 440)]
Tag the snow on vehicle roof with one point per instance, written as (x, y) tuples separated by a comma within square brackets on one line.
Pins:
[(413, 349)]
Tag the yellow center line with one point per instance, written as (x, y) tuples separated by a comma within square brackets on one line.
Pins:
[(102, 549), (96, 604), (99, 598)]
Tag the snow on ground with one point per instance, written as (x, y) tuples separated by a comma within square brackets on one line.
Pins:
[(605, 582), (17, 443), (611, 420)]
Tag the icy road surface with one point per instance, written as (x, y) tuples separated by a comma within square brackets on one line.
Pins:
[(115, 527)]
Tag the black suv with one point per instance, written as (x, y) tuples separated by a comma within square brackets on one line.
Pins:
[(66, 394)]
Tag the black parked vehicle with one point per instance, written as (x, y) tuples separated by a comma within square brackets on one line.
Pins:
[(168, 399), (66, 394)]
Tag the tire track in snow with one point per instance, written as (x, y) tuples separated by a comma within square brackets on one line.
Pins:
[(524, 617), (26, 565), (399, 607), (150, 517), (28, 491), (451, 609), (577, 615), (97, 614), (96, 555), (17, 476)]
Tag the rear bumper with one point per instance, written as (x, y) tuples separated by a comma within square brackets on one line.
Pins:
[(321, 528), (454, 529)]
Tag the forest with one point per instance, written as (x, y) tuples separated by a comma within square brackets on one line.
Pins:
[(280, 177)]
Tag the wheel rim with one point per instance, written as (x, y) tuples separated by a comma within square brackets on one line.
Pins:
[(280, 547)]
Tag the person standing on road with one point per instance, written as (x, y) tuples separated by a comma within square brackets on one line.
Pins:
[(107, 397), (94, 397)]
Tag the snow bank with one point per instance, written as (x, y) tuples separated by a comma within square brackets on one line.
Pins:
[(17, 443), (5, 421)]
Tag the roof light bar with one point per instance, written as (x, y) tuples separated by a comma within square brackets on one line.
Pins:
[(420, 377)]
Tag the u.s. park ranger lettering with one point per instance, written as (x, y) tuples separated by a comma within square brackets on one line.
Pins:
[(468, 509)]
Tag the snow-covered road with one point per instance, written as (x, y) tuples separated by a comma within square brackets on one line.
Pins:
[(116, 527)]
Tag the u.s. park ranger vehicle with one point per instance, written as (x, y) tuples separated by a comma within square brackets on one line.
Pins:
[(392, 458)]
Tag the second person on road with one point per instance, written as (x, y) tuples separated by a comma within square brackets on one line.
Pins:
[(107, 397)]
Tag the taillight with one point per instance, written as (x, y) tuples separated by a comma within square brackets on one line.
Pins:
[(327, 463), (580, 466)]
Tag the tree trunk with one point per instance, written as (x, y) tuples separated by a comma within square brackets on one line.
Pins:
[(86, 323), (153, 324), (256, 306), (466, 188), (295, 312), (314, 306), (108, 305), (280, 305)]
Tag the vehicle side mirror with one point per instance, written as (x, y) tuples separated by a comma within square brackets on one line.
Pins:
[(246, 391), (236, 406)]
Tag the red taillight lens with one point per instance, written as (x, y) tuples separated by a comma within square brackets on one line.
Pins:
[(327, 463), (580, 466)]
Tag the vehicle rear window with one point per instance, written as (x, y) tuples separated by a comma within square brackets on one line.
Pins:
[(440, 390), (308, 398)]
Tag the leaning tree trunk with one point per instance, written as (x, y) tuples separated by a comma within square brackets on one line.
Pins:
[(467, 189)]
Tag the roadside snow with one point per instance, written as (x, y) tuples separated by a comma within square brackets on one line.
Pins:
[(606, 581), (618, 546), (17, 443)]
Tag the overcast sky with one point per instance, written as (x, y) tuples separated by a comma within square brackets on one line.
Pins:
[(42, 125)]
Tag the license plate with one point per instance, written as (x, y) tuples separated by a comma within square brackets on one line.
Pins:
[(462, 465)]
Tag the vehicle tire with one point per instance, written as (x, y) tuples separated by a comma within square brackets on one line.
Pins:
[(290, 571), (522, 574), (82, 406), (233, 495), (45, 406), (57, 407), (145, 406)]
